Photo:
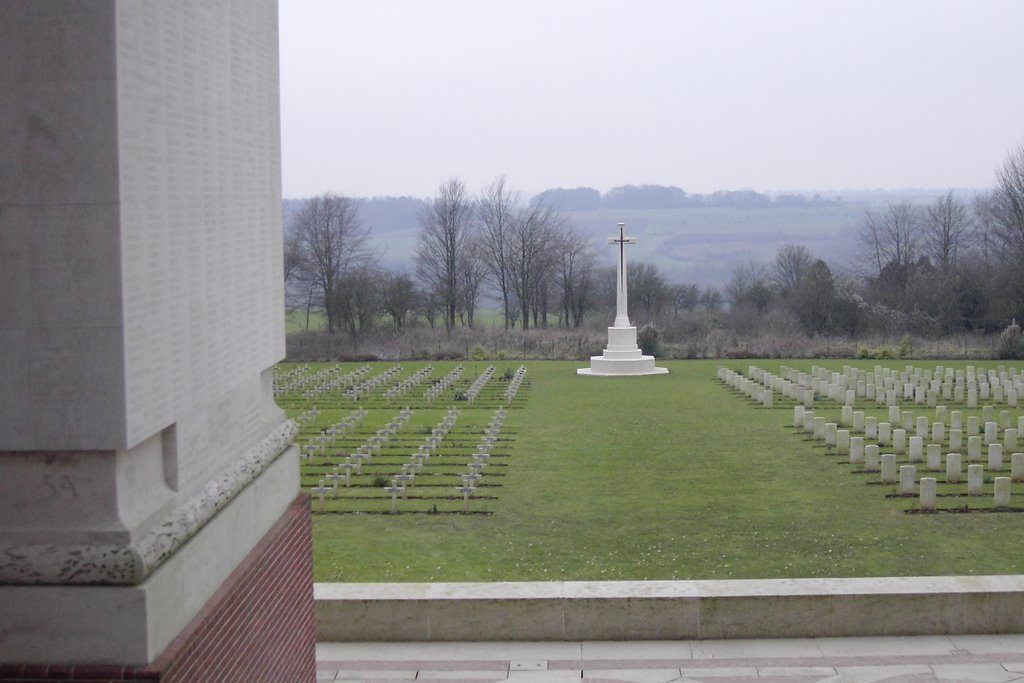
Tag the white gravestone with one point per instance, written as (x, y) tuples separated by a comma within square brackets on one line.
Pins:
[(871, 459), (888, 475), (1001, 491), (928, 486), (953, 467), (1017, 467), (975, 478), (908, 480)]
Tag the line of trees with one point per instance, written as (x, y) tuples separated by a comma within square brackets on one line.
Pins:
[(527, 257), (956, 264), (670, 197)]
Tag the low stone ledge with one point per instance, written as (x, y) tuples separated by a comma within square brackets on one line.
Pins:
[(669, 610)]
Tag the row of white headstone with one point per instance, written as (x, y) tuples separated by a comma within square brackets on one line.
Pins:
[(481, 456), (410, 382), (928, 487), (441, 386), (479, 383), (868, 455), (329, 434), (515, 383), (320, 383), (356, 392), (887, 386)]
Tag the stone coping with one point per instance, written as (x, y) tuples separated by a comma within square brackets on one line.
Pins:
[(618, 610)]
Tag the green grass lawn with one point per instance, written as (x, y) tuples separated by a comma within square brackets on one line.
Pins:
[(648, 478)]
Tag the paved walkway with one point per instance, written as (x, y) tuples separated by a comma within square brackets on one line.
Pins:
[(918, 659)]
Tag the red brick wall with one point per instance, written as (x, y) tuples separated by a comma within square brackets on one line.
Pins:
[(258, 626)]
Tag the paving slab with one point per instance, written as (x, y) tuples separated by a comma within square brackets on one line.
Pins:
[(911, 659)]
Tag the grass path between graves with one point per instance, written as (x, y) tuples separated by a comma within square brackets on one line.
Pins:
[(666, 477)]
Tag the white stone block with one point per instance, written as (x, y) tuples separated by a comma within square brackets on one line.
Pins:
[(858, 421), (871, 458), (954, 467), (857, 450), (831, 429), (973, 448), (907, 418), (843, 441), (928, 488), (956, 419), (991, 432), (1017, 466), (1010, 439), (956, 440), (798, 416), (975, 479), (894, 415), (973, 425), (819, 428), (888, 475), (934, 457), (1001, 490), (899, 441), (884, 434), (916, 449), (846, 416), (908, 480), (995, 456)]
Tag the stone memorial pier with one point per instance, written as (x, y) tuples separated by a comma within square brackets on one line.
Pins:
[(151, 523), (622, 356)]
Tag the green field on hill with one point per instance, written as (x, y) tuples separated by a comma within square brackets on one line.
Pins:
[(665, 477)]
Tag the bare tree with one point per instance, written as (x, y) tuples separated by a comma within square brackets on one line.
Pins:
[(944, 230), (496, 214), (293, 257), (750, 286), (711, 299), (792, 263), (890, 237), (532, 231), (576, 262), (445, 226), (648, 289), (357, 300), (398, 297), (685, 297), (472, 272), (1008, 201), (334, 243)]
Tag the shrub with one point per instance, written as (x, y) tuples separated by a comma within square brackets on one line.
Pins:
[(477, 353), (1010, 341), (647, 339), (380, 481)]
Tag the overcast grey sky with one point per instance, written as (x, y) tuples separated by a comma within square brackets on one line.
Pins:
[(382, 97)]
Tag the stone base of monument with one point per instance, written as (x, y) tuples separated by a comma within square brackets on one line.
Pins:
[(622, 357), (247, 571)]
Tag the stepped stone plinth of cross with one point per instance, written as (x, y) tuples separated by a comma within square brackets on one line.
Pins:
[(622, 356)]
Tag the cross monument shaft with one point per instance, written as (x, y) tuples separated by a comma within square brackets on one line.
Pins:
[(621, 312)]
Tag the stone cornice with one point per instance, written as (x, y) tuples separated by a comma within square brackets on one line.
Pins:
[(129, 564)]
